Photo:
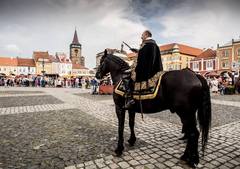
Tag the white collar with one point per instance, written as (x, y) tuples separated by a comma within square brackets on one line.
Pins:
[(148, 38)]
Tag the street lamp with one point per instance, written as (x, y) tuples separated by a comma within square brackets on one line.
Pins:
[(43, 63)]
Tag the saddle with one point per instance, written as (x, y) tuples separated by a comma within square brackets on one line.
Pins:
[(143, 90)]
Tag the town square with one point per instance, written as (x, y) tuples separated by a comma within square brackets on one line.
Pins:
[(132, 84), (69, 128)]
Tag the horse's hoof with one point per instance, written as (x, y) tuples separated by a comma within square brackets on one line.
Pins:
[(183, 138), (132, 142), (118, 152), (193, 162), (192, 165), (184, 158)]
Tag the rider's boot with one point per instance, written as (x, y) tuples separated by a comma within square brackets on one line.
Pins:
[(127, 81)]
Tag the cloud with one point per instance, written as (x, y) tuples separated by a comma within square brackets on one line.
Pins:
[(49, 26), (201, 25), (13, 48)]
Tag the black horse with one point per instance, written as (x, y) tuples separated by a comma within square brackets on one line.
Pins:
[(181, 91)]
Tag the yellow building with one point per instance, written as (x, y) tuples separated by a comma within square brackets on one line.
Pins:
[(229, 56), (177, 56), (43, 62)]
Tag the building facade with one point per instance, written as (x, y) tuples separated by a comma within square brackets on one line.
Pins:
[(177, 56), (204, 63), (228, 56), (25, 66), (43, 62), (64, 64), (17, 66), (8, 66), (79, 70)]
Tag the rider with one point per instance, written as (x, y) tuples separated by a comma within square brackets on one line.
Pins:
[(148, 64)]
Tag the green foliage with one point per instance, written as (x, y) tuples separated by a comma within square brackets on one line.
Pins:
[(230, 90)]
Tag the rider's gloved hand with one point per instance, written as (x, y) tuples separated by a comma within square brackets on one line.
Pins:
[(134, 50)]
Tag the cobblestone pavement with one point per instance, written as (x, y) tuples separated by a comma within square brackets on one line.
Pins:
[(227, 97), (80, 132)]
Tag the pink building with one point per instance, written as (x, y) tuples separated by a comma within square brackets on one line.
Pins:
[(204, 63)]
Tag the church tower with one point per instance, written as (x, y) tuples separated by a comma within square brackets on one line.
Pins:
[(76, 51)]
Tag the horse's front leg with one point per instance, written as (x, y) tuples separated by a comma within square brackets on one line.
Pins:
[(121, 118), (132, 138)]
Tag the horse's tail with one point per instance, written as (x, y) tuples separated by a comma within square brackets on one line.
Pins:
[(204, 112)]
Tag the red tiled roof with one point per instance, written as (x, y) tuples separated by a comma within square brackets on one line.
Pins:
[(207, 54), (42, 55), (63, 58), (8, 61), (53, 58), (184, 49), (78, 66), (26, 62)]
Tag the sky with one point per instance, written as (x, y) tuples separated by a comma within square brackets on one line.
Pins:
[(49, 25)]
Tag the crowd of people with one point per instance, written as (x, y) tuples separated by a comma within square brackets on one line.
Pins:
[(221, 84), (44, 81)]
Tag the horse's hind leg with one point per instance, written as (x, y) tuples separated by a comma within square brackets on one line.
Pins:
[(180, 114), (121, 118), (191, 155), (132, 138)]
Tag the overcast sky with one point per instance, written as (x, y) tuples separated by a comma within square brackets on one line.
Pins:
[(48, 25)]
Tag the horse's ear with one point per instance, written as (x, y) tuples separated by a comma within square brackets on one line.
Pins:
[(105, 52)]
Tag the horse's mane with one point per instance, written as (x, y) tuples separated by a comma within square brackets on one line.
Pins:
[(123, 65)]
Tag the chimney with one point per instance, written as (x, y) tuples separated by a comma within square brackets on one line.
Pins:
[(217, 45), (232, 41), (121, 48)]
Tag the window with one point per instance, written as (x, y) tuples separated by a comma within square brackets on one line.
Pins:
[(176, 58), (170, 67), (225, 53), (225, 64), (209, 64), (195, 66), (177, 67)]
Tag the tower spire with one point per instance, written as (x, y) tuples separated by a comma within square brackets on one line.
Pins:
[(75, 37)]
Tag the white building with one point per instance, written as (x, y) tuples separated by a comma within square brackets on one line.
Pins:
[(25, 66), (65, 64)]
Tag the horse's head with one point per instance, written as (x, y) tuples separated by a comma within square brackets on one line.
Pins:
[(102, 68)]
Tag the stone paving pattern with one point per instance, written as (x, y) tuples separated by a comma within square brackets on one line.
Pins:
[(17, 101), (57, 138), (157, 145)]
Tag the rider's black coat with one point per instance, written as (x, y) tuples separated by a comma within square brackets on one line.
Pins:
[(148, 61)]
